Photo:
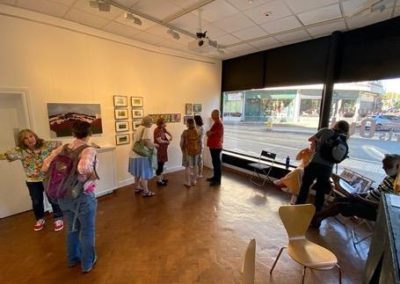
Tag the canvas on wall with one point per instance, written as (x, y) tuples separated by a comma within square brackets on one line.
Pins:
[(62, 116)]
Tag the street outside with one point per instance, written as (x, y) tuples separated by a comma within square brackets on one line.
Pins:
[(365, 154)]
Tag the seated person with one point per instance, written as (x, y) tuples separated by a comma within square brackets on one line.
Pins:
[(292, 181), (363, 205)]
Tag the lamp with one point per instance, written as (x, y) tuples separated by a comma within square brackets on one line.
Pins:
[(174, 34), (102, 5), (136, 20)]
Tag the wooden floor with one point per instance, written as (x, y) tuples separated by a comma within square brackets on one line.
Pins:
[(195, 235)]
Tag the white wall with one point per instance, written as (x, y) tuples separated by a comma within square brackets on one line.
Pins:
[(69, 63)]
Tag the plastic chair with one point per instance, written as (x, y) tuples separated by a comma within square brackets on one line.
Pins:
[(249, 263), (296, 220), (262, 168)]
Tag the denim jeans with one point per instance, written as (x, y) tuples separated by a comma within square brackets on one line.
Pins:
[(36, 190), (80, 214), (216, 162)]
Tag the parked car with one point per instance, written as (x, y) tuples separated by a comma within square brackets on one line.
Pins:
[(385, 122)]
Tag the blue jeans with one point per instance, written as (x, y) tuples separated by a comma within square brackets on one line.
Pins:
[(80, 214), (36, 190)]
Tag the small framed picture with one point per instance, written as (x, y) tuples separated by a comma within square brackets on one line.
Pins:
[(121, 126), (121, 113), (121, 139), (137, 113), (188, 109), (197, 108), (137, 101), (120, 101), (136, 123)]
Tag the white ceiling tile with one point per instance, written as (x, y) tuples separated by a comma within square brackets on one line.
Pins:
[(212, 30), (397, 12), (147, 38), (266, 43), (280, 25), (300, 6), (245, 5), (65, 2), (362, 7), (8, 2), (320, 15), (119, 29), (227, 39), (274, 9), (157, 9), (369, 19), (145, 23), (86, 18), (184, 3), (45, 7), (83, 5), (234, 23), (158, 30), (189, 22), (127, 3), (241, 48), (217, 10), (249, 33), (327, 29), (293, 37)]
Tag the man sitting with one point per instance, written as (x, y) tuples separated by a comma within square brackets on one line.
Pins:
[(363, 205)]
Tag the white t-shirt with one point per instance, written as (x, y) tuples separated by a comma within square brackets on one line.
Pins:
[(147, 134)]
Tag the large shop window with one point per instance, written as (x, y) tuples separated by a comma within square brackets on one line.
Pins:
[(281, 120)]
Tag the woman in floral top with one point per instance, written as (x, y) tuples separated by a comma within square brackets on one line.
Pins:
[(32, 150)]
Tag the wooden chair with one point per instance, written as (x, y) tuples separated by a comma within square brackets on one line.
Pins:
[(262, 168), (296, 219), (249, 263)]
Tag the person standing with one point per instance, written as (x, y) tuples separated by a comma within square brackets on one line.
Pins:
[(190, 152), (31, 151), (162, 138), (320, 169), (80, 211), (200, 128), (214, 142)]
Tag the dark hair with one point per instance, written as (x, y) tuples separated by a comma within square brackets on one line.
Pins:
[(21, 137), (81, 129), (198, 120), (391, 158), (190, 122), (342, 126), (160, 121)]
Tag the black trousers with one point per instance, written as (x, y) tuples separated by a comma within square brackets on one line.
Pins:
[(160, 168), (216, 162), (321, 174), (36, 190)]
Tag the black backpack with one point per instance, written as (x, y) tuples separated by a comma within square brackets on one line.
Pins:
[(335, 148)]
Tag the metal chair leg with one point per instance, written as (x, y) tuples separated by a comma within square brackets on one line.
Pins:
[(340, 273), (276, 260), (304, 274)]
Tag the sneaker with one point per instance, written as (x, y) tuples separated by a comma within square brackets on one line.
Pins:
[(90, 268), (58, 225), (39, 225)]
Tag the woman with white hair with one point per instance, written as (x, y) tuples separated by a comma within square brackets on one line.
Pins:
[(141, 166)]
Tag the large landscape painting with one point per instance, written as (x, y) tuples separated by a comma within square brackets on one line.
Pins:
[(62, 116)]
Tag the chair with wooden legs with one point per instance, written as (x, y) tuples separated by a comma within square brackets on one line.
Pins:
[(249, 261), (296, 219)]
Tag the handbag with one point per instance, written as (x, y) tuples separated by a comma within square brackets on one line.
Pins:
[(140, 149)]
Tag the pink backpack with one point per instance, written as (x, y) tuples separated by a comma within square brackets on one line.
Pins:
[(63, 174)]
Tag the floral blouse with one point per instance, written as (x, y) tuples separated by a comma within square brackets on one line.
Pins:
[(32, 161)]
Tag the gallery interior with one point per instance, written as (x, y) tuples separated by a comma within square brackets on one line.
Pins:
[(278, 70)]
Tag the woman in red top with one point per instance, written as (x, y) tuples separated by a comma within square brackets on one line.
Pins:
[(162, 138), (214, 142)]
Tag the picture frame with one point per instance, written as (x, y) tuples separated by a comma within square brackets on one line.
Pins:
[(188, 109), (121, 139), (136, 123), (121, 126), (197, 108), (121, 113), (137, 113), (137, 101), (120, 101), (360, 183)]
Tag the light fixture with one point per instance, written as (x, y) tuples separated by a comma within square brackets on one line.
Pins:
[(132, 17), (102, 5), (174, 34)]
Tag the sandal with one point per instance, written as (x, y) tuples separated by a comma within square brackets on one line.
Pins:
[(148, 194), (138, 190)]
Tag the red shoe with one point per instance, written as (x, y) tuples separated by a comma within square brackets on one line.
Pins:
[(58, 225), (39, 225)]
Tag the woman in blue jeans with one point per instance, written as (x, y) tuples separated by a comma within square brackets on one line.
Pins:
[(80, 212)]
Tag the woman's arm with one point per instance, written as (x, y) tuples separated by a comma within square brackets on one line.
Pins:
[(12, 155)]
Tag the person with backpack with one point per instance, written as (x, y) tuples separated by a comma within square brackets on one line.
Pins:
[(72, 174), (162, 138), (200, 128), (329, 143), (31, 151), (190, 151)]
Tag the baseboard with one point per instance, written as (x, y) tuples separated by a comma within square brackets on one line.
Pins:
[(126, 182)]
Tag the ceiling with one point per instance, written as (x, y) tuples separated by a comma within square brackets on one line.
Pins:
[(239, 26)]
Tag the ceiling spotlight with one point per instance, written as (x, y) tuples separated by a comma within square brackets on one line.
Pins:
[(174, 34), (132, 17), (102, 5)]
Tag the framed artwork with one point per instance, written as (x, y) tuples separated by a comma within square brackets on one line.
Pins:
[(136, 123), (197, 108), (120, 101), (62, 116), (137, 113), (121, 139), (121, 126), (188, 109), (137, 101), (359, 182), (121, 113)]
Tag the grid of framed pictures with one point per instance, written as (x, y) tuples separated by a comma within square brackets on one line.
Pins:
[(121, 115), (137, 108), (192, 109)]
